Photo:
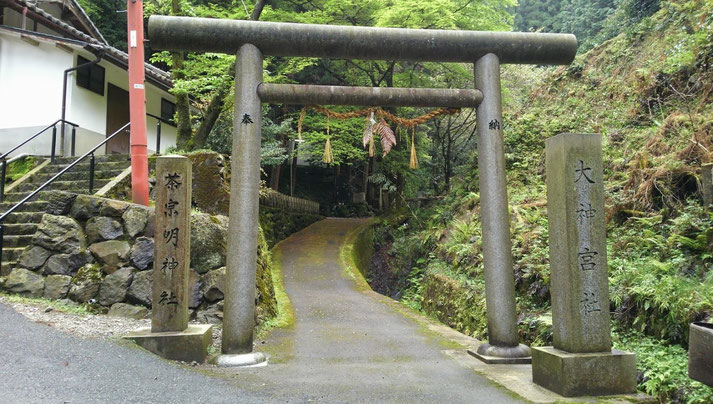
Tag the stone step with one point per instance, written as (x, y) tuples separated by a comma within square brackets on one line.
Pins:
[(80, 187), (17, 229), (7, 267), (23, 217), (20, 241), (102, 158), (83, 167), (39, 179), (28, 207), (11, 254), (15, 197)]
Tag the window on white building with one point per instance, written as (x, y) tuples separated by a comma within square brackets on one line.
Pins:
[(168, 111), (90, 77)]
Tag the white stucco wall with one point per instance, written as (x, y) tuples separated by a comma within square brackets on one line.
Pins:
[(153, 107), (30, 82), (31, 98)]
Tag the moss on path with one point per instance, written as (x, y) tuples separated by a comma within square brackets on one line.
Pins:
[(349, 344)]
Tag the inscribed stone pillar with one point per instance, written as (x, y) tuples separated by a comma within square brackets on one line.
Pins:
[(581, 362), (578, 260), (170, 336), (707, 184), (172, 244)]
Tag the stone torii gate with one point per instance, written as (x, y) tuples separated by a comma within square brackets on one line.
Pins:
[(250, 40)]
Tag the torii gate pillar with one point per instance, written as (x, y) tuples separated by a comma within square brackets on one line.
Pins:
[(241, 261), (503, 343)]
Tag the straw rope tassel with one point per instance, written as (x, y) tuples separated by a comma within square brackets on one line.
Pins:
[(328, 157), (413, 163), (299, 124)]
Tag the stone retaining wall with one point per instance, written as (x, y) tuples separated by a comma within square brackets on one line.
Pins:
[(95, 250)]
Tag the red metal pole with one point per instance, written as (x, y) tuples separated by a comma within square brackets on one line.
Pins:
[(137, 103)]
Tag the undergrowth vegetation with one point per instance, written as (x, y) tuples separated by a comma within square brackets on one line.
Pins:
[(648, 92), (18, 168)]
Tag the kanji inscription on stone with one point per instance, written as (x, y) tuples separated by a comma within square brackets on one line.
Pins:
[(172, 246), (578, 262)]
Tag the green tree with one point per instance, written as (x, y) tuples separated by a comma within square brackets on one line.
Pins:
[(209, 77), (206, 77), (436, 14), (110, 18)]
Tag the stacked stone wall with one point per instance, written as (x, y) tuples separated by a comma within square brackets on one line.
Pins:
[(100, 251)]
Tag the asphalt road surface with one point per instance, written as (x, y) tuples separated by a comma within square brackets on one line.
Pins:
[(345, 346)]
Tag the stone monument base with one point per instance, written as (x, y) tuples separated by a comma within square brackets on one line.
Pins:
[(248, 360), (584, 374), (700, 352), (189, 345), (493, 355)]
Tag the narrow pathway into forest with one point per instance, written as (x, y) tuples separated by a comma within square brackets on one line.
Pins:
[(349, 346)]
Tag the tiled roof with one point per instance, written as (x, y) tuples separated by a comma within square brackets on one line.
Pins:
[(153, 73), (81, 15)]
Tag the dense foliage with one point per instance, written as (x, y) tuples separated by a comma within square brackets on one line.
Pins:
[(643, 79), (592, 21), (110, 18), (647, 91)]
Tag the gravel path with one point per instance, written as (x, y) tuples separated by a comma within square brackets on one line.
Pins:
[(81, 325)]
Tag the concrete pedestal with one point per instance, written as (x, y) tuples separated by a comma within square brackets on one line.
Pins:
[(584, 374), (188, 345)]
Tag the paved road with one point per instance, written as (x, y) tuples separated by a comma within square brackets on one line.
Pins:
[(348, 346), (345, 346), (39, 364)]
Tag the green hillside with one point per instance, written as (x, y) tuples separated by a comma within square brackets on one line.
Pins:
[(648, 92)]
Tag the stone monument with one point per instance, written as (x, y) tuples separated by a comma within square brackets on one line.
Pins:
[(581, 362), (707, 184), (700, 352), (170, 335)]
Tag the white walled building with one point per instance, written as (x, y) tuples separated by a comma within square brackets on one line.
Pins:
[(36, 47)]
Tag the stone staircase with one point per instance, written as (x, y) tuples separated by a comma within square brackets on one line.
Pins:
[(20, 225)]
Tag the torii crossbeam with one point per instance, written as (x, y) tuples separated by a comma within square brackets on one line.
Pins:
[(250, 40)]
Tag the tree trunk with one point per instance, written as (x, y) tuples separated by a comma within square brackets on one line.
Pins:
[(210, 117), (336, 184), (449, 154), (293, 170), (365, 180), (400, 189), (215, 107), (371, 192), (257, 10), (183, 112), (275, 177)]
